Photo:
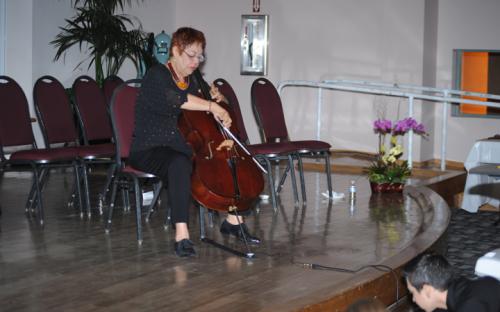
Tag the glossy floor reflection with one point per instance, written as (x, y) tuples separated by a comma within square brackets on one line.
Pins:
[(72, 265)]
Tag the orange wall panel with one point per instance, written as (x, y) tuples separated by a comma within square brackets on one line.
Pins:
[(474, 79)]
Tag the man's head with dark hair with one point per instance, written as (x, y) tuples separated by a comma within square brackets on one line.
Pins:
[(430, 269), (428, 277)]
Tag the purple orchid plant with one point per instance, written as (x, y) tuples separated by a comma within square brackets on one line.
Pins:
[(387, 169)]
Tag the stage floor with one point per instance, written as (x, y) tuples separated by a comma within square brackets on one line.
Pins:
[(72, 265)]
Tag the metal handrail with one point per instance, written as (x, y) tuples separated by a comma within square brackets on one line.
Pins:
[(411, 92)]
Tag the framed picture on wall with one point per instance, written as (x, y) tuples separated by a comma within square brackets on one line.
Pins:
[(476, 71), (253, 42)]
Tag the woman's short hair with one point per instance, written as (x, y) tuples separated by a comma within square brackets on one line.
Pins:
[(186, 36)]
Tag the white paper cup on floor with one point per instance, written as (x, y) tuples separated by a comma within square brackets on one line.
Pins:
[(147, 197)]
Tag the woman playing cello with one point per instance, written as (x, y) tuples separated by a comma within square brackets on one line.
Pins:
[(159, 148)]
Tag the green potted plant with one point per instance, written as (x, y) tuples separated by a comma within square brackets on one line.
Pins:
[(388, 173), (108, 41)]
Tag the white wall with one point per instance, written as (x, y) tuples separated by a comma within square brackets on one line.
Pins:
[(315, 40), (19, 49), (19, 38), (402, 41), (429, 79), (465, 25), (155, 16), (48, 16)]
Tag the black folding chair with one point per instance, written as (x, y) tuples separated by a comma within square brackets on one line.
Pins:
[(268, 110), (108, 87), (16, 132), (123, 122), (95, 125), (268, 153)]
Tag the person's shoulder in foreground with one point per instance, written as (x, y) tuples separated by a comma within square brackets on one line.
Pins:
[(433, 285), (481, 294)]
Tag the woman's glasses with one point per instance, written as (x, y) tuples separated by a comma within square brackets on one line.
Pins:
[(193, 56)]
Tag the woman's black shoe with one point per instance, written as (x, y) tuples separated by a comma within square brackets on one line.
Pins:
[(184, 248), (239, 232)]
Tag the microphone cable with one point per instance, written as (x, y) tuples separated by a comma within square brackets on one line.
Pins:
[(378, 267)]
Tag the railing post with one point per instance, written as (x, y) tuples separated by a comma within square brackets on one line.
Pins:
[(410, 133), (319, 108), (444, 131)]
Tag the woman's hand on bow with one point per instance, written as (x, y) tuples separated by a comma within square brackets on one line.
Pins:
[(220, 114)]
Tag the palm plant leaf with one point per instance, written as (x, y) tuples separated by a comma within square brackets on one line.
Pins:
[(109, 41), (110, 5)]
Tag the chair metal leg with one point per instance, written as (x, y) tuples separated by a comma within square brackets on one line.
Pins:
[(294, 181), (270, 182), (279, 187), (103, 195), (38, 192), (302, 181), (289, 168), (168, 217), (30, 202), (157, 187), (329, 175), (33, 197), (85, 178), (111, 206), (210, 215), (202, 222), (71, 199), (138, 209), (125, 197), (76, 169)]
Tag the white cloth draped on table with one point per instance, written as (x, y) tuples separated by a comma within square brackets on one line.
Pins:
[(483, 152)]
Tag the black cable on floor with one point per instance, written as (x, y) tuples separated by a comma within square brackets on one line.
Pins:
[(379, 267)]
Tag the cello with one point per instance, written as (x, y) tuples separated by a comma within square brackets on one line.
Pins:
[(225, 180)]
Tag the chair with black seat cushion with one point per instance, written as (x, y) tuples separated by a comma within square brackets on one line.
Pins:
[(56, 119), (267, 153), (16, 132), (268, 110), (95, 125), (123, 122), (109, 85)]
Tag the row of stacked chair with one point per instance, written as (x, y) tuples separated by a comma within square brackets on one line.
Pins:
[(55, 115)]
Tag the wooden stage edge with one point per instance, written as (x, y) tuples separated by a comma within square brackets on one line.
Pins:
[(447, 185)]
